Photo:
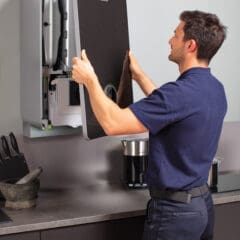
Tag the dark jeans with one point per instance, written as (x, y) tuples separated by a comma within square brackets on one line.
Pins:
[(170, 220)]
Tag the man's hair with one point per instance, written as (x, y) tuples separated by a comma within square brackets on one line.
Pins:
[(206, 29)]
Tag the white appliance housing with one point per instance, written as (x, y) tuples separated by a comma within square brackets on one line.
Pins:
[(50, 101)]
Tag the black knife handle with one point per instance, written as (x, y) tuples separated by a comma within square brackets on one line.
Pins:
[(1, 158), (14, 142), (5, 146)]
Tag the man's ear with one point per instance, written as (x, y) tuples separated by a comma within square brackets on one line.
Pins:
[(192, 45)]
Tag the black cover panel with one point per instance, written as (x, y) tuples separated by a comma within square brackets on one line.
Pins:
[(103, 31)]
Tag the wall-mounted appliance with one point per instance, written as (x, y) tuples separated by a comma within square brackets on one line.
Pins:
[(49, 98), (52, 33)]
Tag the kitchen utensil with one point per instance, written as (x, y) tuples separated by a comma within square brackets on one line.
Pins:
[(19, 196), (135, 162), (12, 163), (1, 159), (5, 146), (2, 168), (6, 164), (18, 159), (14, 142), (32, 175)]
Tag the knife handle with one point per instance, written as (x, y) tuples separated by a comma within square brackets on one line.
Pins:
[(5, 146), (14, 142), (1, 158)]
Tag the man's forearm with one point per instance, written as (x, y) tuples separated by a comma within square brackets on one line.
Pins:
[(113, 119), (146, 84), (100, 103)]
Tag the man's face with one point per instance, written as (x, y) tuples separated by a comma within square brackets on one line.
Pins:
[(177, 44)]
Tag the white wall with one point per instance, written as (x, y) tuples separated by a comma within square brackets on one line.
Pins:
[(151, 24), (226, 63)]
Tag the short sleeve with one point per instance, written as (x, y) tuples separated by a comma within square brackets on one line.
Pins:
[(162, 107)]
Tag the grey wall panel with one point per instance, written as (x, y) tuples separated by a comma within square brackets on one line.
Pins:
[(31, 58), (67, 160)]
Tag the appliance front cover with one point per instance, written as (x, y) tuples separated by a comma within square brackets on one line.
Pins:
[(102, 29)]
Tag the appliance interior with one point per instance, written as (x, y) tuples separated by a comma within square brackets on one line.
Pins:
[(52, 33)]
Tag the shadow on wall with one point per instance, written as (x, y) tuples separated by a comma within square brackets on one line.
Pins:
[(72, 160), (115, 165)]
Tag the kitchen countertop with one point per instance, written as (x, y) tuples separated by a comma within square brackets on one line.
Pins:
[(75, 205)]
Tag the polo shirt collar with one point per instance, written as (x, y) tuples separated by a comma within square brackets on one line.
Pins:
[(198, 70)]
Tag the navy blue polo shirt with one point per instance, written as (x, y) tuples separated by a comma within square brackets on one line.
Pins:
[(184, 119)]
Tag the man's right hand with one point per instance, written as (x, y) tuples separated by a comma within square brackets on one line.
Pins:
[(140, 77), (135, 68)]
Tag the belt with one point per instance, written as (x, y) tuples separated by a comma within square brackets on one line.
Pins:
[(179, 196)]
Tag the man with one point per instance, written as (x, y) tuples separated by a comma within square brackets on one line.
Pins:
[(184, 119)]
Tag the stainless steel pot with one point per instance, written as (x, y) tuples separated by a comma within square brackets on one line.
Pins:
[(135, 152)]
